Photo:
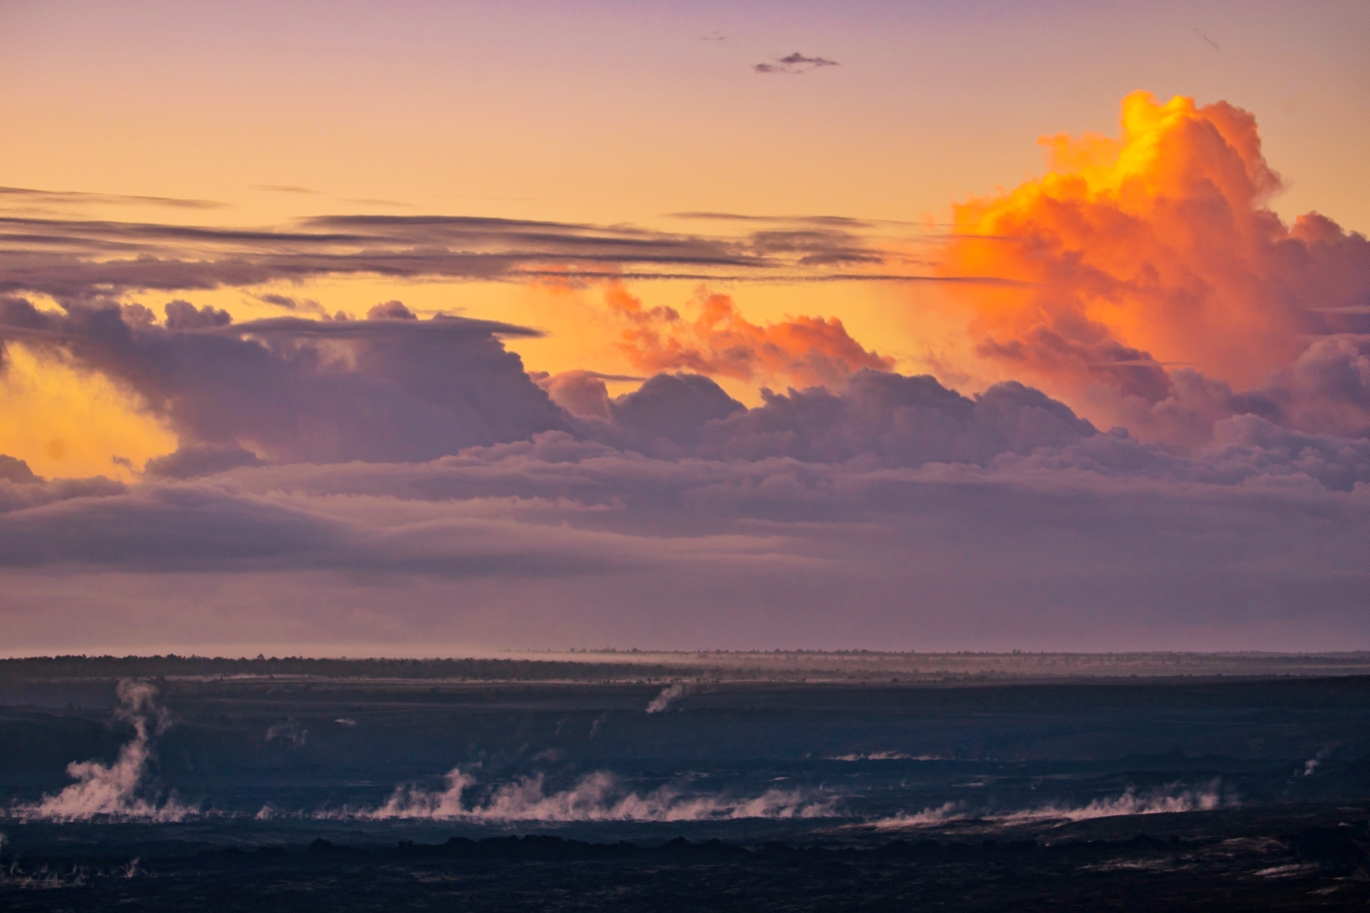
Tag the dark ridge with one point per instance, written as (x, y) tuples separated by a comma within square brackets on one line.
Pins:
[(48, 668), (797, 667)]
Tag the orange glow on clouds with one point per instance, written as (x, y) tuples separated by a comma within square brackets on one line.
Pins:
[(1155, 247), (65, 422), (720, 342)]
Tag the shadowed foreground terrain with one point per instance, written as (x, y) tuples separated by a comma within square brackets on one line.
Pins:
[(632, 786), (1314, 867)]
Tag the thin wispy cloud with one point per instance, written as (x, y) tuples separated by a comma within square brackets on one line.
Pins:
[(843, 221), (283, 188), (82, 198), (371, 201)]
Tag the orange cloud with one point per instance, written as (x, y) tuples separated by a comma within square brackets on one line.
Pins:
[(807, 351), (1149, 250), (66, 421)]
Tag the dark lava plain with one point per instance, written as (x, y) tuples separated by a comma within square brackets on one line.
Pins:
[(1154, 792)]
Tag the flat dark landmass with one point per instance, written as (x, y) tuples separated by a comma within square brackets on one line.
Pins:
[(1025, 791), (637, 665)]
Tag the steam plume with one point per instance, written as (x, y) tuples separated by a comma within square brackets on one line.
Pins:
[(1167, 801), (1129, 803), (664, 699), (597, 797), (114, 790)]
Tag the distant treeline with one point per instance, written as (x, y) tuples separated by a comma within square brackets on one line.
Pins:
[(48, 668)]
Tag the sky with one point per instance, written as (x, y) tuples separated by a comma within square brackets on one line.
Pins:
[(424, 328)]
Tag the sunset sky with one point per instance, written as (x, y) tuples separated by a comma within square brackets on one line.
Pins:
[(425, 328)]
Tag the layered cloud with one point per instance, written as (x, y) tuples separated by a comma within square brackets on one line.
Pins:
[(1016, 524), (73, 259)]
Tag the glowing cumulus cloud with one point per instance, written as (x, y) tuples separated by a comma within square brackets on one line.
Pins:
[(720, 342), (1152, 251)]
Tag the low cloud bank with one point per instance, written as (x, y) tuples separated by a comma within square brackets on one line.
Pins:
[(893, 503)]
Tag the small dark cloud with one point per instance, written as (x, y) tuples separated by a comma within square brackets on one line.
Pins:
[(797, 59), (794, 63), (292, 304), (1200, 33), (715, 36)]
